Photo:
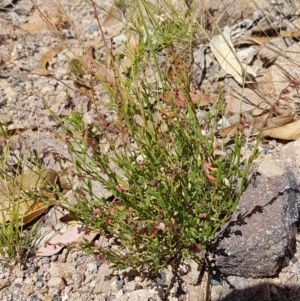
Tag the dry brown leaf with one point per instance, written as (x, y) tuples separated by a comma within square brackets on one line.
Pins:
[(112, 17), (289, 131), (278, 121), (52, 19), (85, 92), (291, 34), (35, 23), (12, 132), (177, 66), (17, 191), (44, 60), (255, 41), (133, 44), (99, 70), (229, 130), (180, 100), (103, 74), (243, 123), (76, 234), (34, 211), (68, 220), (205, 100), (261, 40), (223, 49)]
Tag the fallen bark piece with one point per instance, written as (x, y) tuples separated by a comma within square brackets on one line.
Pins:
[(254, 243)]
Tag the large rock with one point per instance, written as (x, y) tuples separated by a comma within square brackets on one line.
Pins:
[(258, 237)]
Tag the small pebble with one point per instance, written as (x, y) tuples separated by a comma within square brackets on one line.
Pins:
[(57, 298), (29, 282), (45, 260), (34, 298), (120, 284), (130, 286), (294, 260), (93, 28), (215, 279), (18, 281), (273, 289), (183, 269), (161, 278), (39, 284), (40, 278), (92, 267), (56, 282), (32, 269)]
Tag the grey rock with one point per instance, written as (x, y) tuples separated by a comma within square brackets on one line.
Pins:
[(183, 269), (34, 298), (165, 277), (161, 278), (130, 286), (62, 269), (103, 279), (56, 283), (269, 167), (198, 65), (81, 104), (241, 289), (93, 28), (143, 294), (5, 3), (91, 267), (254, 243), (193, 275), (45, 145), (120, 283), (216, 292)]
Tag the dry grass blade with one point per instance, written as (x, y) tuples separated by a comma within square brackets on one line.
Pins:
[(44, 60)]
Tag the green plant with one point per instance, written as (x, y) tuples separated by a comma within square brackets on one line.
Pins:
[(15, 240), (171, 193), (26, 192), (76, 67), (170, 189)]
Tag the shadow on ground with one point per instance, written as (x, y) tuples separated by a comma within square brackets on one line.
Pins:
[(264, 292)]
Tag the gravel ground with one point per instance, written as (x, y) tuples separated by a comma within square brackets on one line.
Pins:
[(24, 97)]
